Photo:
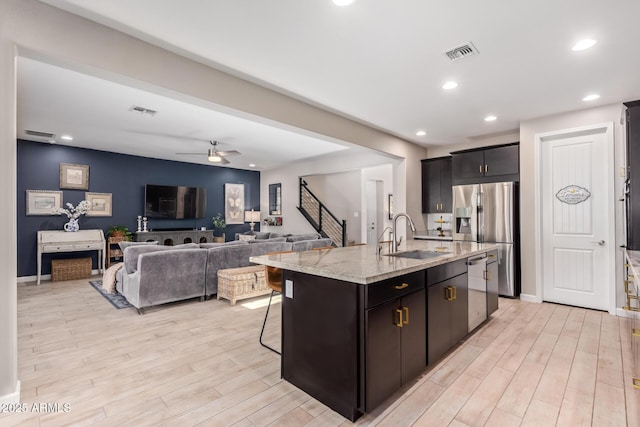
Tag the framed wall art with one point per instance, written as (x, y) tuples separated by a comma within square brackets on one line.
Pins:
[(75, 177), (43, 202), (100, 204), (234, 203)]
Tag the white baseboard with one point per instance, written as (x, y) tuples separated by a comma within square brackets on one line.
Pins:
[(12, 397), (621, 312), (26, 279), (530, 298)]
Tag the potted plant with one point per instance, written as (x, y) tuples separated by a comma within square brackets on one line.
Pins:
[(119, 231), (219, 225)]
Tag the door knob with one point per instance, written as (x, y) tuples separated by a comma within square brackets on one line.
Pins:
[(601, 242)]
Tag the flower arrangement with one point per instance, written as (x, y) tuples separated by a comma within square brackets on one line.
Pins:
[(73, 213)]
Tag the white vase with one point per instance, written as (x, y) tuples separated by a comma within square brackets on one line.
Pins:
[(72, 225)]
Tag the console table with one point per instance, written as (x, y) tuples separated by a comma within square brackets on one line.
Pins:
[(63, 241), (175, 237)]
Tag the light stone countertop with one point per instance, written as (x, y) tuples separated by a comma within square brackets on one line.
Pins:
[(363, 265)]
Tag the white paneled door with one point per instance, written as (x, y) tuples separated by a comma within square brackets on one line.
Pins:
[(577, 218)]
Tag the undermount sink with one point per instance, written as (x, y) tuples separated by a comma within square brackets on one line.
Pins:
[(418, 254)]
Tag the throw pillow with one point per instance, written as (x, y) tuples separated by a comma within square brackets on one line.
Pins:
[(246, 236)]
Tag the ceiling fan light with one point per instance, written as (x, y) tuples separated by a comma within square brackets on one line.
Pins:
[(213, 156)]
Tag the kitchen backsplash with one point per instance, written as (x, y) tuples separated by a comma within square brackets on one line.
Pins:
[(433, 225)]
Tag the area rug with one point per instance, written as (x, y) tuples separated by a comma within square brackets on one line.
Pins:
[(116, 300)]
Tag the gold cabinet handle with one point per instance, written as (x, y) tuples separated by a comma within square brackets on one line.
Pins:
[(406, 315), (455, 293), (492, 256), (630, 275), (447, 293), (404, 285), (636, 383), (485, 276), (486, 168), (480, 168), (399, 312), (635, 332), (627, 265)]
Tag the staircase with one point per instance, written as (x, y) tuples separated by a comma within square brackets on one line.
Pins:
[(322, 220)]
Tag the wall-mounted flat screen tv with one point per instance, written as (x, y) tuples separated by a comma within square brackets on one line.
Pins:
[(174, 202)]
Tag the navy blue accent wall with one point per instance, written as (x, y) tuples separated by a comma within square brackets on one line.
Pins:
[(125, 177)]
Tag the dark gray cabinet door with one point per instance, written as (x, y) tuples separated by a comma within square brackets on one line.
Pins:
[(383, 356), (502, 161), (468, 165), (413, 336), (436, 185), (438, 321), (446, 193), (395, 346), (459, 308), (430, 186)]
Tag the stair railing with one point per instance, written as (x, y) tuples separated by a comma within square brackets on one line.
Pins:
[(320, 217)]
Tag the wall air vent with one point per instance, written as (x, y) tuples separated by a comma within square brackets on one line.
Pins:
[(47, 135), (461, 52), (142, 110)]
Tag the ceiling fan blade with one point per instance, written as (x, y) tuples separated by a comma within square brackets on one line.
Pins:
[(224, 161), (229, 153)]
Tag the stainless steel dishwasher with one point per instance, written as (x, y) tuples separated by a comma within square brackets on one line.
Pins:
[(476, 267)]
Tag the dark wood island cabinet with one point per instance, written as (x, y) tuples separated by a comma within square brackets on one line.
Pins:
[(355, 324)]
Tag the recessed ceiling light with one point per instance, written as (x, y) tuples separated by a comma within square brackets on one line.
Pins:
[(583, 44), (66, 137), (490, 119), (421, 133), (591, 97), (252, 165), (342, 2), (450, 85)]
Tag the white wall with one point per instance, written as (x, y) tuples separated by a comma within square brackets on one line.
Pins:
[(528, 130), (335, 163), (341, 193), (478, 142), (382, 173), (9, 385)]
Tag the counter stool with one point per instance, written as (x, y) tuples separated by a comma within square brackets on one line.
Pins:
[(273, 276)]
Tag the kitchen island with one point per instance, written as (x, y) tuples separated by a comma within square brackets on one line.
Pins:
[(357, 324)]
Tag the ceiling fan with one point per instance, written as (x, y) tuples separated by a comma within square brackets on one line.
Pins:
[(214, 155)]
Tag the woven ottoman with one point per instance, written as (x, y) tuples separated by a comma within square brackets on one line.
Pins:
[(243, 282)]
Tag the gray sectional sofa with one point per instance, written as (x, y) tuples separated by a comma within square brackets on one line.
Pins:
[(154, 274)]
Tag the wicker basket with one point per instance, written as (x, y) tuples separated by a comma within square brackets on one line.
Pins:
[(240, 283), (69, 269)]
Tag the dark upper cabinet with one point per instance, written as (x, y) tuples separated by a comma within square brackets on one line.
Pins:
[(491, 164), (632, 198), (436, 185)]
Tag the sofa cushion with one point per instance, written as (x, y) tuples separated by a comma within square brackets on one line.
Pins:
[(132, 253), (186, 246), (273, 239), (299, 237), (262, 235), (124, 245), (307, 245), (215, 245), (272, 235)]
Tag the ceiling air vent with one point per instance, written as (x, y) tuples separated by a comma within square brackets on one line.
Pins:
[(39, 134), (461, 52), (143, 110)]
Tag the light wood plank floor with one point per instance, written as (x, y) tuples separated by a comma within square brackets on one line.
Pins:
[(196, 363)]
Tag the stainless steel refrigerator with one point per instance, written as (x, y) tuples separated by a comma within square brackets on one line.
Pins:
[(488, 213)]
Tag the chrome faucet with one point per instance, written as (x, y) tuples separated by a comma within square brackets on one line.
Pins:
[(396, 241)]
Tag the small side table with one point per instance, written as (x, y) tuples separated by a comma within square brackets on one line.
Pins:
[(113, 249)]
